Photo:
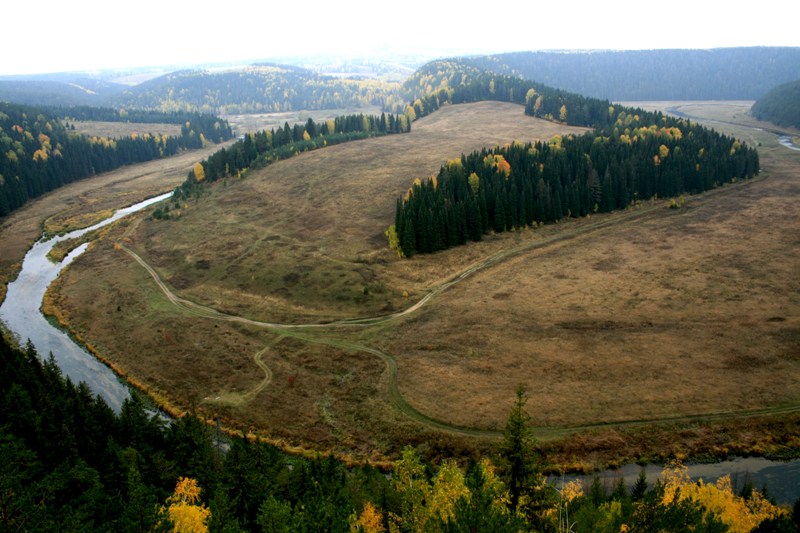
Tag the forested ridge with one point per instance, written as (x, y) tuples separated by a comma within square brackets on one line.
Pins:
[(744, 73), (69, 463), (39, 154), (256, 89), (632, 155), (780, 106)]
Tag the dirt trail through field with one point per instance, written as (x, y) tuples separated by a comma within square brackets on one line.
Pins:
[(314, 333)]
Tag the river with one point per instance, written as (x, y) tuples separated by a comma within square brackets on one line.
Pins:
[(786, 141), (782, 478), (21, 313)]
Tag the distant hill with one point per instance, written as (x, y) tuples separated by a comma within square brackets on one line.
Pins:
[(780, 106), (261, 88), (716, 74), (59, 91)]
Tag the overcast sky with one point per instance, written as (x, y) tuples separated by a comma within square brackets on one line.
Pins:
[(66, 35)]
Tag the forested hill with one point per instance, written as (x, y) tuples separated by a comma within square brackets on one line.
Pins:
[(261, 88), (632, 155), (59, 91), (256, 89), (39, 154), (780, 106), (716, 74)]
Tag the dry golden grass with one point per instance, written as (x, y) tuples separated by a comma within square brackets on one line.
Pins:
[(660, 314)]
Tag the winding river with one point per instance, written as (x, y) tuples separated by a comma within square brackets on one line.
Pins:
[(21, 313)]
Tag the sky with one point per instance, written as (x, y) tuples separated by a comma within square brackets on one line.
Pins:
[(61, 36)]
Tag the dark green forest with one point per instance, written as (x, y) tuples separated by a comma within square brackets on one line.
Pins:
[(632, 155), (636, 75), (39, 154), (780, 106), (70, 463)]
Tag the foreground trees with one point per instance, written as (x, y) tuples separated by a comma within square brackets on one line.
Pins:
[(67, 462)]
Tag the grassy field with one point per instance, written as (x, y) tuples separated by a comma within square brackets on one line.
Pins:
[(640, 333)]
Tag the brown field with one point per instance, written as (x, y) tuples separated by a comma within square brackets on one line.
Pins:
[(644, 332), (266, 121)]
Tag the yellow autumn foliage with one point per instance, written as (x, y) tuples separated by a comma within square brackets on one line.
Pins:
[(369, 521), (448, 488), (199, 172), (184, 509), (739, 514)]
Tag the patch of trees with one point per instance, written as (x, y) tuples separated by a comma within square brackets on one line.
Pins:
[(637, 157), (446, 82), (256, 150), (635, 75), (38, 154), (71, 463), (780, 106), (257, 89)]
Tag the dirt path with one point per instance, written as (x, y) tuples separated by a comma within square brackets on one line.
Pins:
[(314, 333)]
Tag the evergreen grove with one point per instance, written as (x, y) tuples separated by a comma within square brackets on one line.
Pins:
[(70, 463), (632, 155)]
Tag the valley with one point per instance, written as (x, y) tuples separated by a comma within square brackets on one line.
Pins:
[(625, 328)]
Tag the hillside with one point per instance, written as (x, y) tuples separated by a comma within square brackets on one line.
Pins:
[(60, 91), (635, 75), (780, 106), (259, 88)]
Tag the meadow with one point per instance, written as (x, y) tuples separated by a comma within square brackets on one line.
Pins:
[(642, 333)]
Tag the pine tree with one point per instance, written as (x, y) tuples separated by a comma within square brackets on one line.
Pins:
[(517, 450)]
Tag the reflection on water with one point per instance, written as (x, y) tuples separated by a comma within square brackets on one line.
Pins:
[(22, 316), (782, 478)]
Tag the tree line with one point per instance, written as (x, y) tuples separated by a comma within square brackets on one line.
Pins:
[(121, 114), (70, 463), (39, 154), (256, 150), (637, 156)]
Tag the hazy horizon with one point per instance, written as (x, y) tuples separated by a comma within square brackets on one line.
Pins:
[(86, 36)]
